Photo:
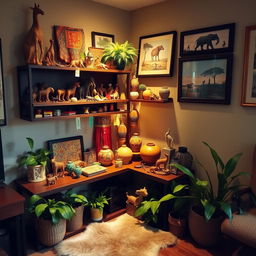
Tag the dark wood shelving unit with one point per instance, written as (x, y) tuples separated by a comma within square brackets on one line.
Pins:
[(153, 101)]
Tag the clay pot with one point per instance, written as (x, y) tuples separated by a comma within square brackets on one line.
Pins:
[(96, 214), (50, 234), (134, 95), (105, 156), (125, 154), (134, 84), (122, 130), (147, 94), (164, 93), (76, 222), (135, 142), (205, 233), (150, 153), (36, 173), (177, 226), (134, 115)]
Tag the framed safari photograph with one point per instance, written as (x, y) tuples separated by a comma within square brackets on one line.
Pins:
[(211, 40), (2, 96), (101, 40), (249, 71), (156, 54), (205, 79)]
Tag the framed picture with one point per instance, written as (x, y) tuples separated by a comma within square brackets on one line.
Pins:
[(2, 95), (156, 54), (218, 39), (97, 54), (101, 40), (67, 149), (205, 79), (249, 71)]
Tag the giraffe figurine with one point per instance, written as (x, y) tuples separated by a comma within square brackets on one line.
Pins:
[(34, 39), (49, 56)]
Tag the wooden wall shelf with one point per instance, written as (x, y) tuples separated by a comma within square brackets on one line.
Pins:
[(153, 101)]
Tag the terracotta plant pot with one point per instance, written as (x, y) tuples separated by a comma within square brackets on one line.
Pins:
[(105, 156), (76, 222), (96, 214), (203, 232), (36, 173), (50, 234), (150, 153), (125, 154), (177, 226)]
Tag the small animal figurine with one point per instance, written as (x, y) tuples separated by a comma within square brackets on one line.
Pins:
[(73, 170), (34, 39), (56, 166), (72, 91), (136, 200), (102, 91), (44, 94), (91, 88), (77, 63), (161, 163), (109, 91), (61, 94), (49, 56), (169, 139), (51, 180)]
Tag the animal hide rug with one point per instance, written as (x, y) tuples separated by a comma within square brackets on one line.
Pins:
[(125, 236)]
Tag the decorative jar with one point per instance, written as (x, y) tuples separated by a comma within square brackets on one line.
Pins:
[(183, 157), (134, 84), (135, 142), (147, 94), (125, 153), (134, 115), (164, 93), (150, 153), (134, 95), (122, 130), (105, 156)]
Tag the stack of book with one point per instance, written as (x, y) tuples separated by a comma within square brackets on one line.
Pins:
[(47, 113), (93, 170)]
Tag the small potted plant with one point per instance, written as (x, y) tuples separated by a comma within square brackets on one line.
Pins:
[(96, 204), (51, 218), (120, 54), (77, 202), (35, 161)]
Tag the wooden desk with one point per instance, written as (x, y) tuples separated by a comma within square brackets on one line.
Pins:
[(11, 209)]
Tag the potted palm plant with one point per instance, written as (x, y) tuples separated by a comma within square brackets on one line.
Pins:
[(35, 161), (77, 202), (96, 203), (51, 218), (120, 54)]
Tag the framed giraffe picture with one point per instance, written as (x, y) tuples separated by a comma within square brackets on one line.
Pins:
[(210, 40), (156, 54)]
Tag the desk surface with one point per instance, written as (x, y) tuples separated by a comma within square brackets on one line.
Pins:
[(11, 202), (67, 182)]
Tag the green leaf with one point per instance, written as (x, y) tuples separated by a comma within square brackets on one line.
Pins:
[(179, 188), (209, 209), (231, 165), (184, 170), (202, 183), (154, 206), (167, 197), (226, 207), (40, 209), (30, 143), (145, 206), (34, 199)]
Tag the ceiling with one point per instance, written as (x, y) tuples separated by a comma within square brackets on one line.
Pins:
[(129, 5)]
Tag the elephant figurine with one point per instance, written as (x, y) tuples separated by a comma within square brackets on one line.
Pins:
[(207, 40)]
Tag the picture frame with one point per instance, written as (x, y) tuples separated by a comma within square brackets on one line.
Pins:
[(248, 96), (156, 54), (205, 79), (101, 40), (209, 40), (2, 91), (67, 149)]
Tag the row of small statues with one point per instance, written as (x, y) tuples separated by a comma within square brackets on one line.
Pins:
[(90, 92)]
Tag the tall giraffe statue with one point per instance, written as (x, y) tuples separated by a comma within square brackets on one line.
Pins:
[(34, 39)]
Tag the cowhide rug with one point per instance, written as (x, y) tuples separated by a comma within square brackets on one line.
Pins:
[(125, 236)]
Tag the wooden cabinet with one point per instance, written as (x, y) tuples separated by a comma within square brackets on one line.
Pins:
[(31, 77)]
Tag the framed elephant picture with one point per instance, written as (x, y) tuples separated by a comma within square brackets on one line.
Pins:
[(156, 54), (210, 40)]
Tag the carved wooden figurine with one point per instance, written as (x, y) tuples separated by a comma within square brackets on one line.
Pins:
[(72, 91), (161, 163), (56, 166), (34, 39), (77, 63), (51, 180), (44, 94), (61, 94), (136, 200), (49, 56)]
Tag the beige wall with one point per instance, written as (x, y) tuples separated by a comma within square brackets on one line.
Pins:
[(230, 129), (15, 21)]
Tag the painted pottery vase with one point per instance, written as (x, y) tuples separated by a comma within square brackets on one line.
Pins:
[(122, 130), (134, 84), (134, 115), (147, 94), (134, 95), (125, 153), (36, 173), (122, 96), (105, 156), (135, 142), (150, 153), (183, 157), (164, 93)]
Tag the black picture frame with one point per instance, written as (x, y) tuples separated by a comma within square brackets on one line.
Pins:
[(197, 79), (67, 149), (162, 44), (2, 91), (209, 36), (105, 39)]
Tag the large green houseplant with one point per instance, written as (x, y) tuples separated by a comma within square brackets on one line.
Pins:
[(51, 218), (120, 54), (35, 161)]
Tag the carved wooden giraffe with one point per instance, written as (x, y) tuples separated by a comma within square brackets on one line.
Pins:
[(34, 39)]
